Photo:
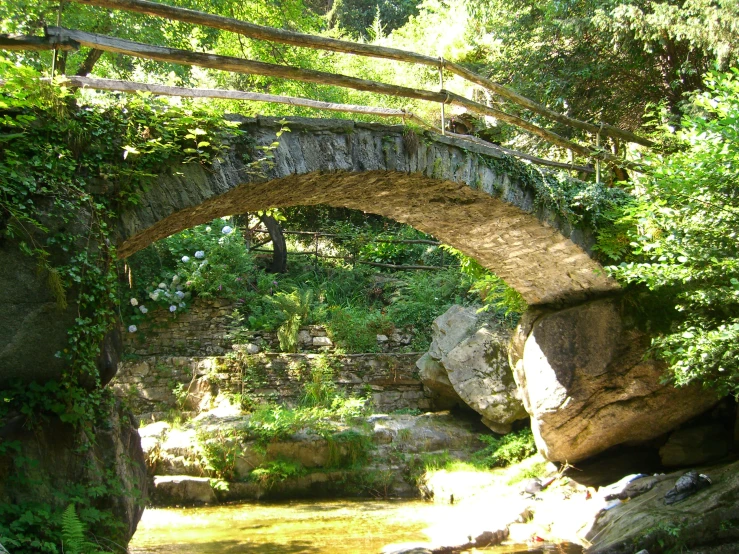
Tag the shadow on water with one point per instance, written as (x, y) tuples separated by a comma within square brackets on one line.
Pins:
[(232, 547)]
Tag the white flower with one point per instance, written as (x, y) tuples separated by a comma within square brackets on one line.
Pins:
[(226, 230), (143, 309), (200, 254), (134, 302), (180, 294), (154, 295), (172, 308), (185, 259), (182, 304), (132, 329), (162, 286), (175, 279), (207, 229)]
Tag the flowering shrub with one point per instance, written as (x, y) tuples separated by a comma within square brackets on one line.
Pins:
[(198, 261)]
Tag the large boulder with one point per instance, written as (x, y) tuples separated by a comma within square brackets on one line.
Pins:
[(702, 523), (467, 363), (50, 463), (587, 386)]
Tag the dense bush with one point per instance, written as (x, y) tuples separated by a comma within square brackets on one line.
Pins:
[(682, 229)]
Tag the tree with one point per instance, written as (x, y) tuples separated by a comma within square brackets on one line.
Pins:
[(356, 17), (684, 228), (603, 59)]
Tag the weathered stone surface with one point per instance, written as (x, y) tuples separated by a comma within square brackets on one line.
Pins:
[(149, 384), (451, 328), (467, 364), (322, 341), (434, 377), (439, 189), (32, 327), (696, 445), (479, 372), (182, 490), (586, 384), (175, 454), (60, 458), (698, 524)]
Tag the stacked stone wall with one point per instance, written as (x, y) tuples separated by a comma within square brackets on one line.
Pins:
[(204, 330), (161, 384), (179, 361)]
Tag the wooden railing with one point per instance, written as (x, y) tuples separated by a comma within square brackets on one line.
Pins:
[(61, 38)]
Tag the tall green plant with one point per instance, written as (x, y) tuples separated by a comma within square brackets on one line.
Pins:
[(74, 540), (683, 231), (295, 307)]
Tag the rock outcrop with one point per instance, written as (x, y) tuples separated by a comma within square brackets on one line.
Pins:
[(178, 460), (698, 444), (60, 459), (467, 363), (587, 386), (702, 523)]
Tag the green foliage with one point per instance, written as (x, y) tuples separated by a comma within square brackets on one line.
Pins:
[(371, 18), (218, 451), (356, 329), (682, 228), (602, 60), (420, 297), (506, 450), (669, 537), (295, 307), (348, 449), (505, 303), (321, 389), (276, 471), (73, 534)]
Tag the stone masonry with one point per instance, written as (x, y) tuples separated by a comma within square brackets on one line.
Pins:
[(178, 362), (441, 186)]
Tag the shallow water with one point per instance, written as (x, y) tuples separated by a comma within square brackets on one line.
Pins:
[(296, 527)]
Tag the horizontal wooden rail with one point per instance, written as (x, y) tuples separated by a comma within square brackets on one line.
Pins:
[(238, 65), (165, 90), (23, 42), (403, 267), (260, 32), (336, 235)]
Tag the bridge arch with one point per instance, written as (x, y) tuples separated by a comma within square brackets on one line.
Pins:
[(438, 185)]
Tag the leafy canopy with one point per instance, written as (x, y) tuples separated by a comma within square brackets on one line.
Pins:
[(684, 229)]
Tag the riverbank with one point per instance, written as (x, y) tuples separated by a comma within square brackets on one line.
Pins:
[(430, 456)]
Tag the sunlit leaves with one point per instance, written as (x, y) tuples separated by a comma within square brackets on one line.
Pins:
[(684, 239)]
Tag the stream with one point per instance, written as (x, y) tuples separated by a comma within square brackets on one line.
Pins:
[(298, 527)]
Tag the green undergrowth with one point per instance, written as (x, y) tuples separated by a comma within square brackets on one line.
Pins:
[(355, 303), (67, 168), (323, 412), (498, 452)]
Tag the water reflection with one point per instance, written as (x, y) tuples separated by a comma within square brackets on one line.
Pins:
[(296, 527)]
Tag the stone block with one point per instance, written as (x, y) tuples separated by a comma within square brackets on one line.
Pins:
[(174, 490), (322, 341)]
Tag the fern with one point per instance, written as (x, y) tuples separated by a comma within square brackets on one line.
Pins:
[(73, 534), (295, 306)]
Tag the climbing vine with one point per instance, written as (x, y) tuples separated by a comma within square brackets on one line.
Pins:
[(69, 163), (578, 202)]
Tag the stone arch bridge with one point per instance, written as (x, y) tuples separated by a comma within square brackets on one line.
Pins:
[(438, 185), (578, 362), (446, 187)]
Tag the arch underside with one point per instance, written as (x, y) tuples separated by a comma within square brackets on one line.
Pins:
[(439, 188)]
